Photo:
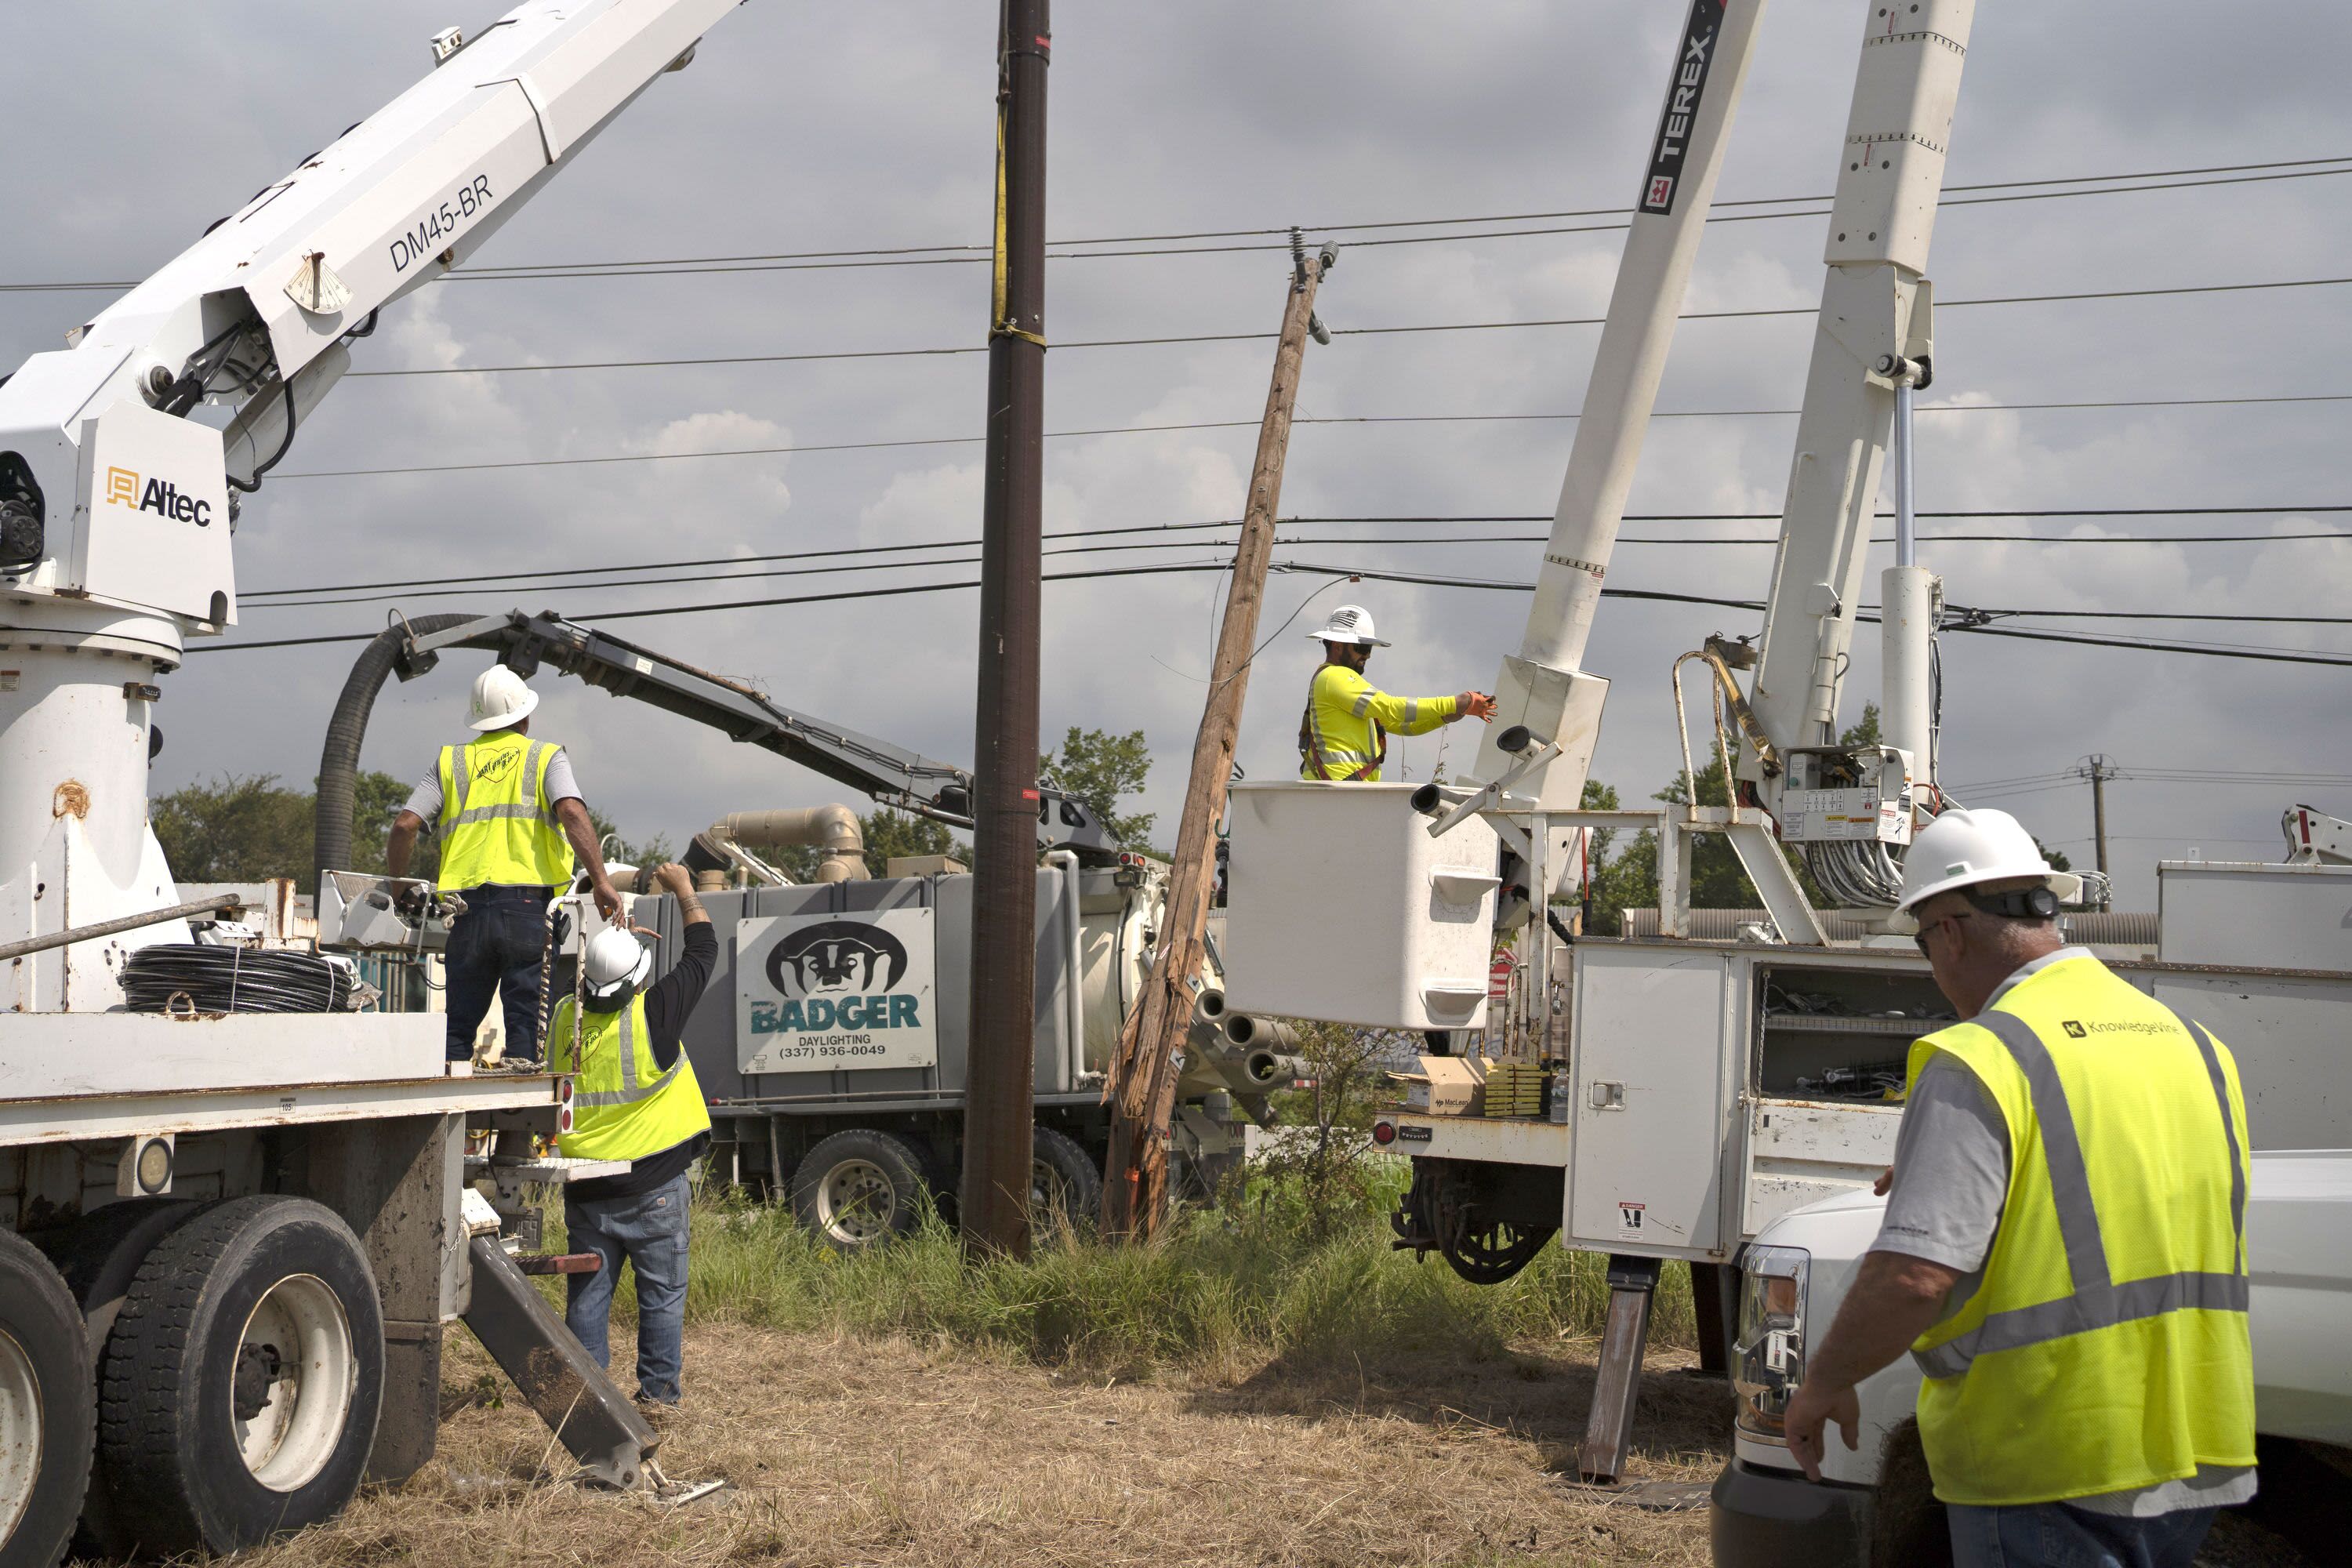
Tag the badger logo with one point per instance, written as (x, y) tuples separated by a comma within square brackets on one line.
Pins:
[(836, 958)]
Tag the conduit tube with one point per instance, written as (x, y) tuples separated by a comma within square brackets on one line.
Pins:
[(834, 830), (339, 761)]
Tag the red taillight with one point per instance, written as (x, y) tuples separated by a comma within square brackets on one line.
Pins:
[(1383, 1132)]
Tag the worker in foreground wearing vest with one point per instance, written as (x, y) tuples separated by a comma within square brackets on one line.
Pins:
[(511, 819), (635, 1098), (1344, 733), (2062, 1251)]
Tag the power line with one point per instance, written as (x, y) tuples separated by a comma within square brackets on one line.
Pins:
[(723, 268), (517, 578), (1175, 339), (1252, 424), (977, 252), (966, 254), (2278, 655), (478, 586)]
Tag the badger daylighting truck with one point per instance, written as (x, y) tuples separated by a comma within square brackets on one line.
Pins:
[(831, 1040)]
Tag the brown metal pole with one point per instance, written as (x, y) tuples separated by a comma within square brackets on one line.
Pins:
[(1142, 1088), (1000, 1069)]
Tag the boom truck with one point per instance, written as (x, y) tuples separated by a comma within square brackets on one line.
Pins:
[(1671, 1095), (831, 1042), (234, 1214)]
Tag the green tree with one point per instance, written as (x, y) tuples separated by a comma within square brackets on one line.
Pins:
[(1864, 732), (1099, 769), (252, 829), (235, 830)]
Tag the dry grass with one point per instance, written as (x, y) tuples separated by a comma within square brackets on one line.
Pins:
[(852, 1450)]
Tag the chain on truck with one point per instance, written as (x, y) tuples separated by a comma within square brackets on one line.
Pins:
[(1674, 1092), (241, 1199)]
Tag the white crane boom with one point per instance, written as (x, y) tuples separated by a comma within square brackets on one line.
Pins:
[(116, 509)]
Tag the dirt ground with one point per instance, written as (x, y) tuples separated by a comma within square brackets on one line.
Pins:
[(863, 1452)]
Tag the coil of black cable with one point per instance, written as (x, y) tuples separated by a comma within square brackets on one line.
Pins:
[(192, 977)]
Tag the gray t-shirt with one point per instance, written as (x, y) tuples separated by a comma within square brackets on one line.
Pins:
[(1952, 1177), (426, 799)]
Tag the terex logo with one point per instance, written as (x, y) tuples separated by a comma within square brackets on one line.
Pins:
[(836, 976), (161, 497)]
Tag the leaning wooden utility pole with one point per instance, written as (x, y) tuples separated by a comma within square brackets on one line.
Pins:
[(1142, 1086), (1001, 1062)]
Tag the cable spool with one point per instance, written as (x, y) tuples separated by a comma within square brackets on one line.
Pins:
[(192, 977)]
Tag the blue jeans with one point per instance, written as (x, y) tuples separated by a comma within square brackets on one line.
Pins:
[(496, 946), (2052, 1535), (649, 1231)]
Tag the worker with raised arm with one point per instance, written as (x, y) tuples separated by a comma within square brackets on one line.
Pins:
[(511, 819), (2063, 1249), (635, 1098), (1344, 733)]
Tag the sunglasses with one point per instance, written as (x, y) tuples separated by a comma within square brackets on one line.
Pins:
[(1919, 938)]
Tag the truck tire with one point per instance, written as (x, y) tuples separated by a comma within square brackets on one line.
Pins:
[(1066, 1187), (47, 1408), (242, 1380), (100, 1254), (858, 1187)]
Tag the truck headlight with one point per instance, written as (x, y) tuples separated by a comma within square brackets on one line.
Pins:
[(1768, 1354)]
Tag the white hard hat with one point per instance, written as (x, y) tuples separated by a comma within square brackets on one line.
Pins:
[(500, 700), (1963, 847), (614, 965), (1350, 624)]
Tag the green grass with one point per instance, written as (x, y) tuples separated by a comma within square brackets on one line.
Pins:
[(1231, 1285)]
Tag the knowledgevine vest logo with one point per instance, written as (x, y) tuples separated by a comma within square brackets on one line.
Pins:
[(839, 974)]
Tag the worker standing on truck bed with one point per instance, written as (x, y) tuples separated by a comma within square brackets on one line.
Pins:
[(635, 1099), (1344, 733), (511, 817), (2064, 1246)]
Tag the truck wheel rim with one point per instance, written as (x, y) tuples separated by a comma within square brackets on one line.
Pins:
[(1048, 1192), (856, 1202), (20, 1433), (292, 1386)]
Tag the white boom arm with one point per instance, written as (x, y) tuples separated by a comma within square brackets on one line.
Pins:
[(116, 509), (1873, 339), (1544, 688)]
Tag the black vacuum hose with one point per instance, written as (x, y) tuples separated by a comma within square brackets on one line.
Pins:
[(339, 763)]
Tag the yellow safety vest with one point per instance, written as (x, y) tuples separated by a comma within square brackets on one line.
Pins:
[(1344, 733), (2107, 1347), (623, 1105), (497, 826)]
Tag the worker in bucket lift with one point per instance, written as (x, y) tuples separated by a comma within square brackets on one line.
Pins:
[(635, 1098), (511, 817), (2064, 1247), (1344, 733)]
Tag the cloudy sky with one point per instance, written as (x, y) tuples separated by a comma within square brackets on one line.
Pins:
[(802, 127)]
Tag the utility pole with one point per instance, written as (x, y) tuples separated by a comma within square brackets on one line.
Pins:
[(1142, 1088), (2098, 770), (1001, 1069)]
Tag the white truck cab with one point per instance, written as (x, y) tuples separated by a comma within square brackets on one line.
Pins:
[(1795, 1274)]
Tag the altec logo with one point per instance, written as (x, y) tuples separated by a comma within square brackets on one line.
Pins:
[(161, 497)]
